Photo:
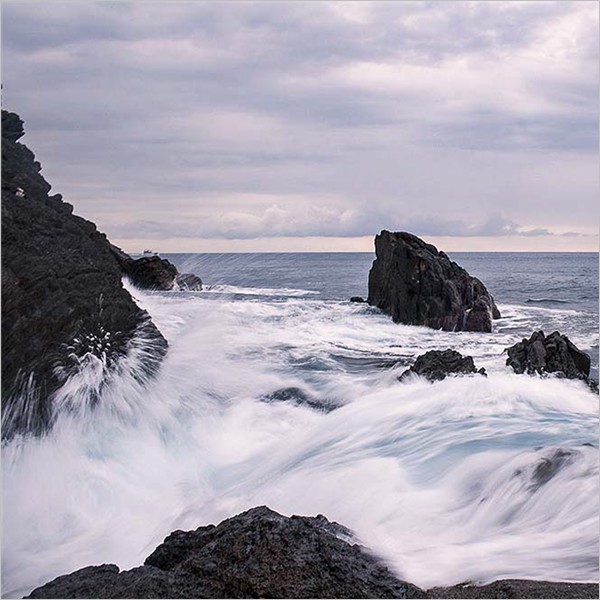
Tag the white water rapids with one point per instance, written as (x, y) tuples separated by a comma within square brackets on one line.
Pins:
[(438, 479)]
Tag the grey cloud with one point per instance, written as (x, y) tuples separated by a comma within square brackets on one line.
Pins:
[(136, 107)]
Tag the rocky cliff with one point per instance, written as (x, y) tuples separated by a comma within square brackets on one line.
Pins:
[(63, 304), (418, 285)]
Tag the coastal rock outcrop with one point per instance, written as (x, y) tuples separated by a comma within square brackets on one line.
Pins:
[(554, 353), (256, 554), (436, 365), (63, 304), (416, 284)]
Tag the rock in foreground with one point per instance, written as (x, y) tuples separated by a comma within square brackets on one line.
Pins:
[(435, 365), (257, 554), (417, 285), (555, 353)]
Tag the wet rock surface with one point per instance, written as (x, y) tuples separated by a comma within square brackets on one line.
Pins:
[(62, 297), (257, 554), (436, 365), (299, 397), (554, 353), (416, 284)]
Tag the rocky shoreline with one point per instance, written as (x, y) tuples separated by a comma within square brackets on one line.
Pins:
[(262, 554), (64, 307)]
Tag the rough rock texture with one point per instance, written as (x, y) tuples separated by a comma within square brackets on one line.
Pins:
[(151, 272), (257, 554), (62, 298), (555, 353), (435, 365), (189, 282), (517, 588), (417, 285)]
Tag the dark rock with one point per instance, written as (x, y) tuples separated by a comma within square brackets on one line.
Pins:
[(150, 272), (435, 365), (257, 554), (552, 354), (517, 588), (189, 282), (297, 396), (357, 299), (62, 297), (417, 285)]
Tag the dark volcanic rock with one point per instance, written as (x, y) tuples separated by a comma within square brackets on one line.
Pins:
[(150, 272), (417, 285), (435, 365), (555, 353), (189, 282), (357, 299), (62, 298), (517, 588), (257, 554)]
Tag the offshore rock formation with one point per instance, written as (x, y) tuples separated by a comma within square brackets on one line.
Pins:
[(555, 353), (63, 303), (257, 554), (417, 285), (435, 365)]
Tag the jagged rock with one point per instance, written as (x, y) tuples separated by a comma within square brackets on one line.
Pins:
[(357, 299), (150, 272), (62, 297), (188, 282), (435, 365), (256, 554), (555, 353), (417, 285)]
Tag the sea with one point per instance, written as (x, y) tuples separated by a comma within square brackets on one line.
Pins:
[(278, 391)]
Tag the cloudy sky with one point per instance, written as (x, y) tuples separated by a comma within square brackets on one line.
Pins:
[(256, 126)]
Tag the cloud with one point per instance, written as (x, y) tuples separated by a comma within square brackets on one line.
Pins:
[(386, 112)]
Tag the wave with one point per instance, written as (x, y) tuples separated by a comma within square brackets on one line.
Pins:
[(251, 291), (481, 477), (546, 301)]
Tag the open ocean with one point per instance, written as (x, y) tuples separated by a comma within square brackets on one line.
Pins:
[(438, 479)]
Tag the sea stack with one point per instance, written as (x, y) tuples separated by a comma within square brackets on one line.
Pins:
[(63, 303), (416, 284)]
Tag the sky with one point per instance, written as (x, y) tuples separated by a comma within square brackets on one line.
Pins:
[(311, 126)]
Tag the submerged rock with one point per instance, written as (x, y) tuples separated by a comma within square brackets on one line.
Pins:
[(555, 353), (63, 303), (418, 285), (435, 365), (357, 299), (299, 397), (256, 554)]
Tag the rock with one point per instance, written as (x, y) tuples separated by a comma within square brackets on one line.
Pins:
[(62, 297), (555, 353), (256, 554), (188, 282), (435, 365), (417, 285), (357, 299), (150, 272), (517, 588), (297, 396)]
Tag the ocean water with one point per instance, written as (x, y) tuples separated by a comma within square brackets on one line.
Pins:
[(468, 479)]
